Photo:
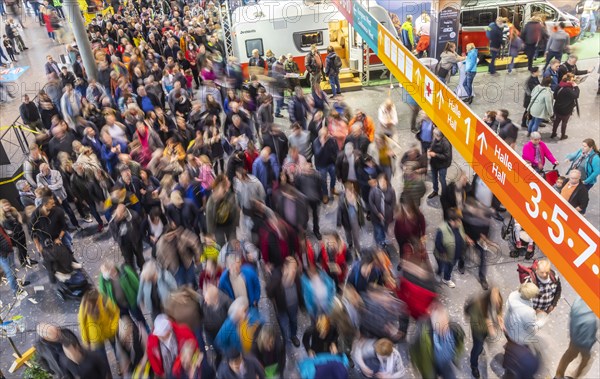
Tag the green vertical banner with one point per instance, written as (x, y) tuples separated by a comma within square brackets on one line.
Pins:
[(366, 25)]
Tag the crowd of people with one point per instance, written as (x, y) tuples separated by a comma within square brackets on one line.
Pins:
[(216, 209)]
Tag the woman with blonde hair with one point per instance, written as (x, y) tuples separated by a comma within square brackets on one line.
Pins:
[(270, 351), (470, 71), (388, 117), (98, 320)]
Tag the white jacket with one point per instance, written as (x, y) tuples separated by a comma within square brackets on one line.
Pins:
[(520, 320)]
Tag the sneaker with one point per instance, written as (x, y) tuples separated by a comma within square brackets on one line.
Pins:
[(295, 341), (88, 218), (475, 372), (432, 195), (563, 137), (484, 284), (449, 283), (461, 270), (553, 135)]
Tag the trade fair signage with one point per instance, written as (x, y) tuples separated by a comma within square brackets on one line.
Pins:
[(561, 232)]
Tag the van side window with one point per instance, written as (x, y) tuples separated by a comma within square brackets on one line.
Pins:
[(544, 11), (309, 38), (469, 18), (252, 44), (486, 17)]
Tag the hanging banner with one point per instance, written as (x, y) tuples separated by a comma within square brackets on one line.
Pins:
[(562, 233)]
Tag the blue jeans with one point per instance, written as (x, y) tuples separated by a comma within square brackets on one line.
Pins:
[(534, 125), (441, 173), (477, 349), (67, 240), (5, 265), (444, 269), (445, 370), (288, 322), (324, 171), (468, 83), (511, 65), (278, 104), (494, 54), (334, 81), (379, 233), (186, 276)]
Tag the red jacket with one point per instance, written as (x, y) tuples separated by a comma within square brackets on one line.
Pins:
[(182, 334), (339, 259)]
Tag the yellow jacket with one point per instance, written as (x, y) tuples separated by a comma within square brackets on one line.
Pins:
[(96, 330)]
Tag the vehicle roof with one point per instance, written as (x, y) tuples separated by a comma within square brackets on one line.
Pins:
[(487, 3), (277, 10)]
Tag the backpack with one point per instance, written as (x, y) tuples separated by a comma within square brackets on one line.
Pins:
[(223, 212), (337, 63), (529, 272)]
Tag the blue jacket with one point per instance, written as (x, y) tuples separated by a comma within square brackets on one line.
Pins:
[(471, 61), (324, 365), (312, 308), (582, 325), (110, 159), (592, 166), (259, 169), (251, 280), (554, 76), (228, 337), (495, 34)]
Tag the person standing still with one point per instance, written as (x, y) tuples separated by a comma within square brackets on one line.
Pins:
[(314, 66), (565, 102), (333, 64), (495, 34)]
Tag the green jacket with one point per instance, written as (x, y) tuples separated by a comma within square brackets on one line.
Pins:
[(448, 242), (421, 349), (129, 283)]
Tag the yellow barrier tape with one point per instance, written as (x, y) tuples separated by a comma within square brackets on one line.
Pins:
[(12, 179), (22, 128)]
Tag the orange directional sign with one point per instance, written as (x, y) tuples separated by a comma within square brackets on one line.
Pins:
[(564, 235)]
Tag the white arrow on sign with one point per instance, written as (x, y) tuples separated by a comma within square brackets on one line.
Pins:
[(468, 124), (481, 138), (418, 74), (440, 99)]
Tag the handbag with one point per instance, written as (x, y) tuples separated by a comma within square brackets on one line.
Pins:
[(528, 115)]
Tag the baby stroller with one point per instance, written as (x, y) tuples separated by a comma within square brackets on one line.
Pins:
[(71, 280), (521, 243)]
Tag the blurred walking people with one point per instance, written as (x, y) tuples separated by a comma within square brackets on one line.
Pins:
[(438, 345), (583, 325)]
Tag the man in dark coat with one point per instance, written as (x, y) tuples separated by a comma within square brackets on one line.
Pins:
[(440, 158), (30, 114), (125, 228), (495, 34)]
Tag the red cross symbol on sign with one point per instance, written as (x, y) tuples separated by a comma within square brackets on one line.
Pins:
[(429, 89)]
